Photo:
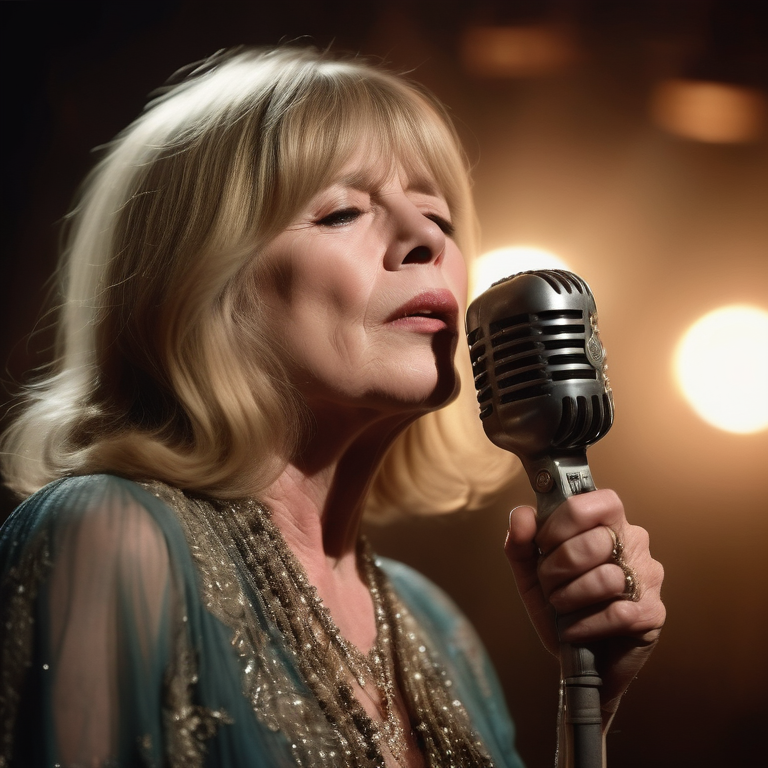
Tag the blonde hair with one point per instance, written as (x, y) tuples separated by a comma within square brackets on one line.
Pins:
[(151, 378)]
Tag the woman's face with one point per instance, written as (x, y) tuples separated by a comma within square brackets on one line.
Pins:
[(365, 290)]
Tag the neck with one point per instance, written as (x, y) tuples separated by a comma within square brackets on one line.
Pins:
[(317, 502)]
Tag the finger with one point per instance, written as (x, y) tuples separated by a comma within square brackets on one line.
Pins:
[(628, 572), (641, 619), (599, 585), (575, 557), (618, 618), (522, 527), (523, 556), (579, 514), (521, 551)]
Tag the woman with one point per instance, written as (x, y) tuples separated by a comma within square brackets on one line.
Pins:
[(263, 290)]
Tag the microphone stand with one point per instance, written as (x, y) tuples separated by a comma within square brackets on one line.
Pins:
[(555, 478)]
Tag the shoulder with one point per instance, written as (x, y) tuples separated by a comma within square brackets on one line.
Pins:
[(71, 495), (97, 514)]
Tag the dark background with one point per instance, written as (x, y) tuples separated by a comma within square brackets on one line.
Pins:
[(665, 229)]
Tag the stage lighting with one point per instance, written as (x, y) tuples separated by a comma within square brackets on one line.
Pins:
[(502, 262), (721, 366)]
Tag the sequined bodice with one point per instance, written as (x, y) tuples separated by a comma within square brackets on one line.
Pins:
[(243, 560)]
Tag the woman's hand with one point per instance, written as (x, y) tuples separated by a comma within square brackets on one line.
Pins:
[(574, 576)]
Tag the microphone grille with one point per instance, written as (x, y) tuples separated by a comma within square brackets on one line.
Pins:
[(524, 353), (535, 334), (558, 279), (584, 420)]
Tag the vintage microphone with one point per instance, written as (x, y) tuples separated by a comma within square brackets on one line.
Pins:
[(540, 374)]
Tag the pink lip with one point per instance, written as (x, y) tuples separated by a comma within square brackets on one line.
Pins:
[(428, 312)]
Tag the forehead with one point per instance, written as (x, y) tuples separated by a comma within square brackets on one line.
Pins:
[(369, 168)]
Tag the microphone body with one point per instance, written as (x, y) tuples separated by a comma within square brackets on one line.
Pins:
[(540, 373), (541, 377)]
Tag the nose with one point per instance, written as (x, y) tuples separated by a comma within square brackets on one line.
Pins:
[(416, 239)]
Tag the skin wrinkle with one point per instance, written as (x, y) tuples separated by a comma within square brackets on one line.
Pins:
[(351, 348)]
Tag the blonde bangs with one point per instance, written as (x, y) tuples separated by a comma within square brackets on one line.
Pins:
[(398, 125)]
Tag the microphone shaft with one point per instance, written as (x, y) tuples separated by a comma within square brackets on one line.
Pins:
[(583, 719), (555, 477), (582, 715)]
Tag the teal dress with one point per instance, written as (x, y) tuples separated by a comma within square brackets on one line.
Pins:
[(132, 635)]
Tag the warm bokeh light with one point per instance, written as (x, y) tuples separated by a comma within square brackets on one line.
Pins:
[(709, 111), (722, 368), (502, 262), (530, 50)]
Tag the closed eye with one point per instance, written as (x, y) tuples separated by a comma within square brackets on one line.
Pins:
[(340, 218), (444, 224)]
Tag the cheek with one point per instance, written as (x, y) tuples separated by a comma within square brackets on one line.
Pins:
[(304, 275), (331, 303), (456, 274), (318, 311)]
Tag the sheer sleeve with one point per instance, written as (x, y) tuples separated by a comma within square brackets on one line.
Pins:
[(110, 656), (106, 598), (89, 603)]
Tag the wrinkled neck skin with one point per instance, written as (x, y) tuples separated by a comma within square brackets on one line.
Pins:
[(318, 500), (317, 503)]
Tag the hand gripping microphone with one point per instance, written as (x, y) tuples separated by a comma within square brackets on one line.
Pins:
[(540, 373)]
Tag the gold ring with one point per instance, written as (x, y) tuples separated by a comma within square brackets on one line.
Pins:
[(618, 546), (631, 585)]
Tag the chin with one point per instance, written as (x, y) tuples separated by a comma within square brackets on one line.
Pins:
[(445, 394), (442, 388), (447, 384)]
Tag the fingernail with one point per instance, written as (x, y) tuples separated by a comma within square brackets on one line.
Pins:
[(509, 525)]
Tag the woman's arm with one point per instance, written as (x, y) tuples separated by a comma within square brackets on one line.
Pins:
[(95, 576)]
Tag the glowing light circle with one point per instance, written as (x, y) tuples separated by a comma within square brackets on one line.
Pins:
[(502, 262), (721, 365)]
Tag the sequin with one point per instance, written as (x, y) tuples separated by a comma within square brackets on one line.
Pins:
[(296, 665)]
